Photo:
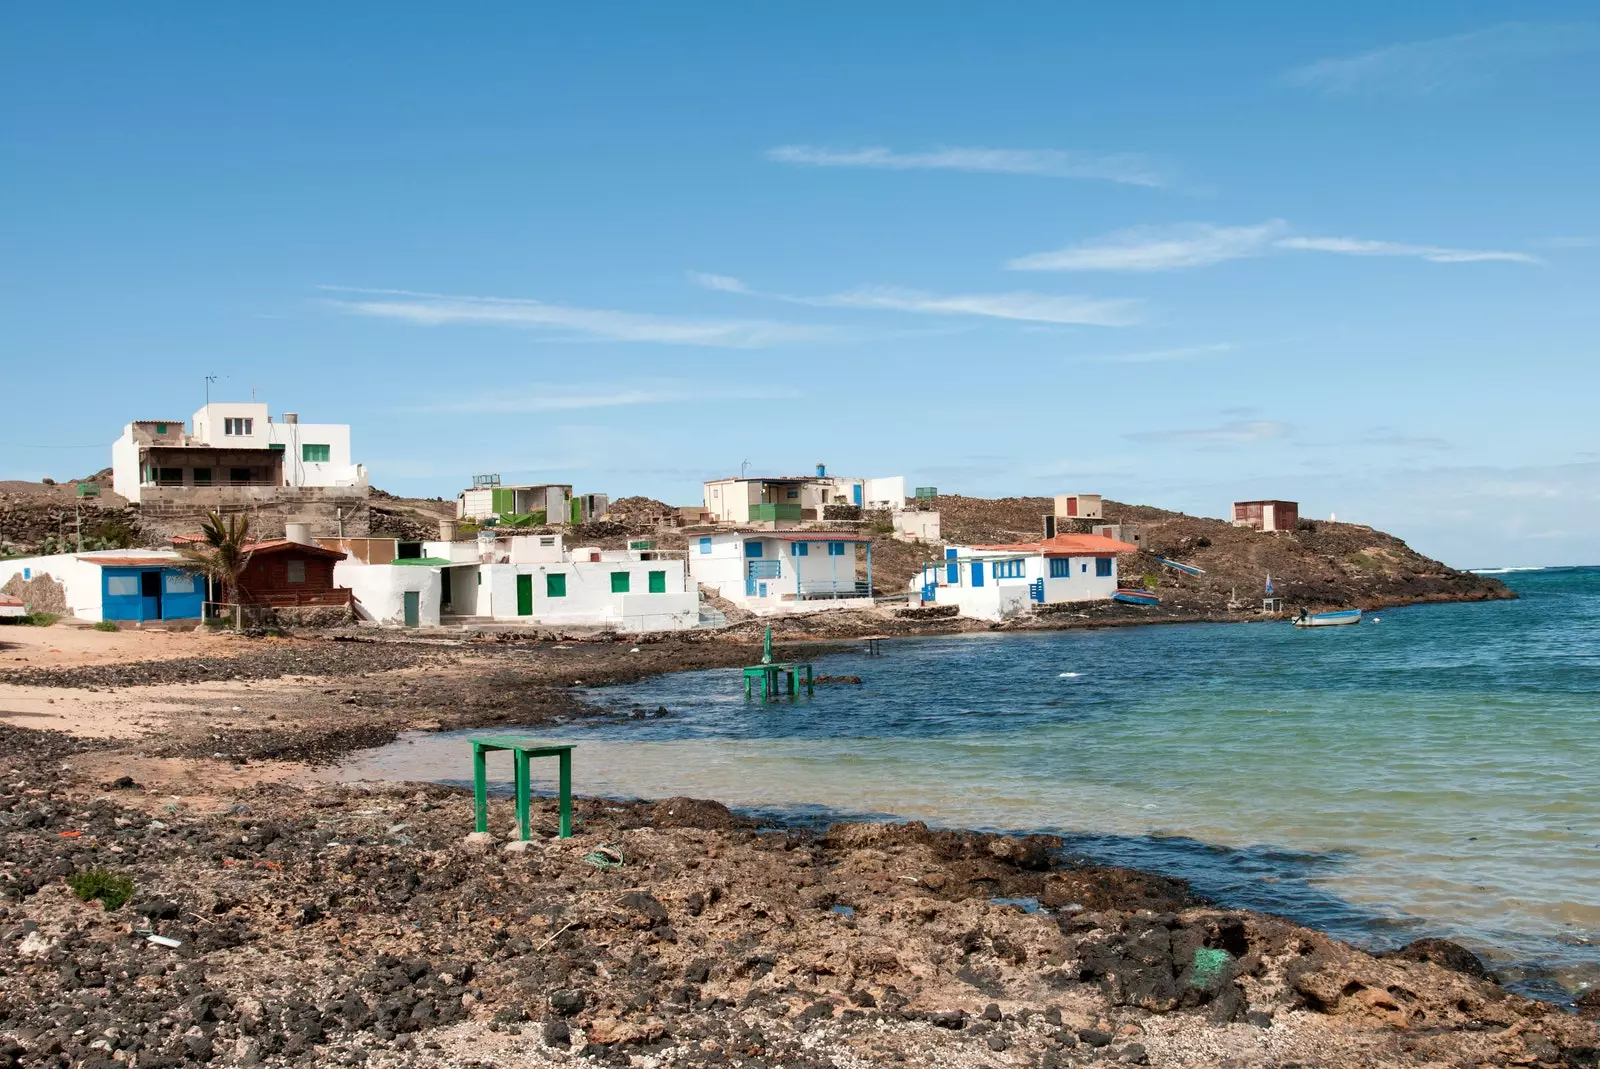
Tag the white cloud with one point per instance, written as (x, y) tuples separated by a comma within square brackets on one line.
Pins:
[(721, 283), (546, 397), (1150, 248), (1127, 168), (1156, 356), (438, 309), (1017, 305), (1434, 253), (1444, 64), (1032, 307), (1238, 432)]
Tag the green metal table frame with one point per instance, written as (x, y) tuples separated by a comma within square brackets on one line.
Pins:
[(522, 750), (770, 674)]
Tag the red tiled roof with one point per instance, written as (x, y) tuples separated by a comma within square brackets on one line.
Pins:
[(270, 545), (133, 562), (7, 599), (1070, 545)]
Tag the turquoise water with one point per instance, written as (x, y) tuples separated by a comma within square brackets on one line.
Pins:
[(1434, 772)]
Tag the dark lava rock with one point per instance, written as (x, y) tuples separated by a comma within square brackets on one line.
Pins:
[(645, 904), (948, 1019), (568, 1002), (1444, 953), (991, 1012), (157, 909), (997, 1042), (1095, 1037), (817, 1011), (1134, 1053), (557, 1033)]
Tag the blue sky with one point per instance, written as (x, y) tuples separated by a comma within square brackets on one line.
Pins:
[(1172, 255)]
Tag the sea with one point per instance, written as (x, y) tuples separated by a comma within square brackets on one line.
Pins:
[(1433, 771)]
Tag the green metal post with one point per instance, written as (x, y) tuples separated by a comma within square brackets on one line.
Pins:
[(564, 788), (523, 827), (810, 688), (480, 787)]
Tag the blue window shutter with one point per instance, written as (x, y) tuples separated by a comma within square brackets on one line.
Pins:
[(835, 549), (752, 549), (705, 545), (1085, 567), (1102, 567), (952, 571)]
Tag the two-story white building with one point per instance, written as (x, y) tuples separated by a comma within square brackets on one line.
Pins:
[(234, 443), (999, 582), (785, 571), (533, 579), (785, 501)]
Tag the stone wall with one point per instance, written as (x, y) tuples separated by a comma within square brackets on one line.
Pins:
[(39, 594), (168, 510)]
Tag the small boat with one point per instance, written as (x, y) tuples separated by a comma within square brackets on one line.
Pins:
[(1328, 619), (1136, 597)]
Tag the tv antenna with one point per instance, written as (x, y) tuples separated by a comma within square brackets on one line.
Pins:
[(209, 380)]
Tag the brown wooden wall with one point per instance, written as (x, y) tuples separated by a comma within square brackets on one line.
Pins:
[(268, 574)]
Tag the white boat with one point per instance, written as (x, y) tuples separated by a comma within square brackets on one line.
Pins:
[(1328, 619)]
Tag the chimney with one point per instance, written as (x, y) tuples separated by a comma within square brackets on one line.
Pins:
[(291, 417)]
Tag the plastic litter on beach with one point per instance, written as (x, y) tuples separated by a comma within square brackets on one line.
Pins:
[(604, 857), (163, 941)]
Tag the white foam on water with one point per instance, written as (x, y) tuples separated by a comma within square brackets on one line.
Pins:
[(1069, 675)]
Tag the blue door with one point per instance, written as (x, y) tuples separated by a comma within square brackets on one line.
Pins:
[(150, 595), (858, 495), (1036, 590), (977, 573), (952, 570)]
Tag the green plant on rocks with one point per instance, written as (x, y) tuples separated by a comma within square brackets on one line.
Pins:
[(41, 619), (111, 888), (106, 625)]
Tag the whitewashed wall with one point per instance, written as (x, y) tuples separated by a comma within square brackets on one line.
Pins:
[(125, 465), (380, 590), (80, 582)]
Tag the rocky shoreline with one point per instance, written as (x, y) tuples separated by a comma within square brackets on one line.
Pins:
[(335, 924)]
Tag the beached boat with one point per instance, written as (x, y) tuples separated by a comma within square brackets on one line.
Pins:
[(1328, 619), (1136, 597)]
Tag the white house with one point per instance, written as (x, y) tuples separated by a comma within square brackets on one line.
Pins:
[(487, 499), (785, 571), (528, 578), (998, 582), (133, 585), (234, 443), (788, 500)]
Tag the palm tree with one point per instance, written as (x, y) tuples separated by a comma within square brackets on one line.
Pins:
[(223, 556)]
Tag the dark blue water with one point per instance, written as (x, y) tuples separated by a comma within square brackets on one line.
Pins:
[(1432, 772)]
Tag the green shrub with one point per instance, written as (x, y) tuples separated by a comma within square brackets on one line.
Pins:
[(107, 625), (42, 619), (111, 888)]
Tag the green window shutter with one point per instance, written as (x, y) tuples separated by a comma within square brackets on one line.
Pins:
[(276, 447), (555, 585), (161, 428), (619, 582), (658, 582), (501, 501), (314, 454)]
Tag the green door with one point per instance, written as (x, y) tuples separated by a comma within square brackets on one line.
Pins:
[(413, 608), (524, 595)]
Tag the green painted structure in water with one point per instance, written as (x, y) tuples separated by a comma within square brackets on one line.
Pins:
[(522, 750), (774, 673)]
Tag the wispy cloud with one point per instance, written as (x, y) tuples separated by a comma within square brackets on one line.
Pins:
[(1238, 432), (1445, 64), (1127, 168), (1573, 242), (1157, 356), (1019, 305), (1032, 307), (438, 309), (1151, 248), (547, 397), (1433, 253)]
